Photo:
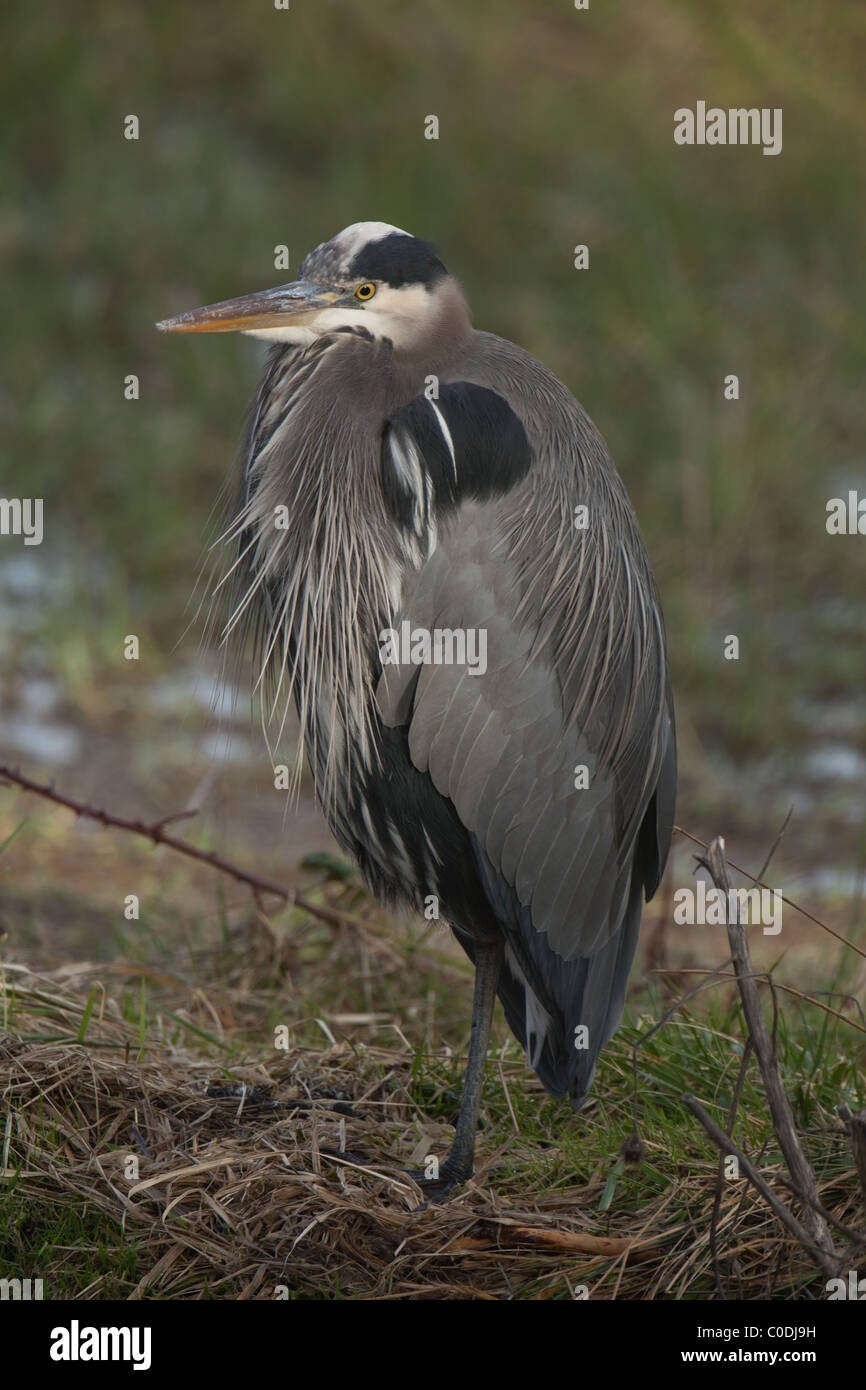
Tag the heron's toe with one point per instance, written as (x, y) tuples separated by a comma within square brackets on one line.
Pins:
[(441, 1187)]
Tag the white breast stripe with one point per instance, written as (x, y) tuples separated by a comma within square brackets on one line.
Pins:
[(446, 434), (407, 462)]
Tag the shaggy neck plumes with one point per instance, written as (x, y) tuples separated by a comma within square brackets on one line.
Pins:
[(316, 573)]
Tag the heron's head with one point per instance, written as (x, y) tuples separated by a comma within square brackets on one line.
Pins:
[(371, 279)]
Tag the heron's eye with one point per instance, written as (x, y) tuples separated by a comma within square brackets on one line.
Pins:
[(365, 291)]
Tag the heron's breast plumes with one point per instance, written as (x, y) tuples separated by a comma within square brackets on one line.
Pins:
[(310, 569)]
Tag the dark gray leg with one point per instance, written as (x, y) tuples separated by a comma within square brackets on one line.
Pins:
[(458, 1166)]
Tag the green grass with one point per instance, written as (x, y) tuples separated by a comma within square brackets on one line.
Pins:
[(83, 1249)]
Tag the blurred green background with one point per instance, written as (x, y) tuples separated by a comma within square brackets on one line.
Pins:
[(260, 127)]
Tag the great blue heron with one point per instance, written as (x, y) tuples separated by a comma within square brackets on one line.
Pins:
[(412, 487)]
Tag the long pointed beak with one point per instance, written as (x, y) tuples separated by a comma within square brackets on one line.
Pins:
[(296, 303)]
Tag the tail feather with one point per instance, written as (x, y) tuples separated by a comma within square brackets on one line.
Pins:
[(562, 1012)]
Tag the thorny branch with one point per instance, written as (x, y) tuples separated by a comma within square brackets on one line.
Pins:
[(156, 833)]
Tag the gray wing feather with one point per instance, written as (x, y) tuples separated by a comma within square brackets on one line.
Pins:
[(576, 676), (495, 744)]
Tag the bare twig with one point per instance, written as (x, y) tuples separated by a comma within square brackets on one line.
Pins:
[(789, 902), (775, 845), (856, 1127), (155, 832), (502, 1231), (826, 1259), (720, 1181), (720, 974), (780, 1108)]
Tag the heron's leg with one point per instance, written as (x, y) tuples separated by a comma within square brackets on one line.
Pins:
[(458, 1166)]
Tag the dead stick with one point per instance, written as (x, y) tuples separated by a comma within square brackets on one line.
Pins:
[(720, 974), (856, 1127), (789, 902), (726, 1144), (780, 1108), (156, 834), (566, 1242)]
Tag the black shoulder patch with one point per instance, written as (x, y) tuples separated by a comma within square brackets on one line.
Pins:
[(398, 260), (467, 443)]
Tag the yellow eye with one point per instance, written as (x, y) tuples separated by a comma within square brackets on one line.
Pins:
[(365, 291)]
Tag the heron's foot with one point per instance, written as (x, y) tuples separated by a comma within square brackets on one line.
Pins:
[(443, 1182)]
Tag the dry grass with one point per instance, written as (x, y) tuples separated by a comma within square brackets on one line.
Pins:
[(141, 1129)]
